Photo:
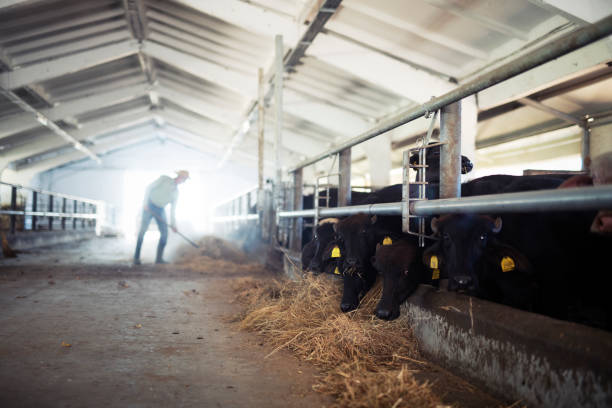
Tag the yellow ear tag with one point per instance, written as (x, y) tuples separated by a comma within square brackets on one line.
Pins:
[(335, 252), (507, 264), (387, 241), (435, 274), (433, 262), (336, 271)]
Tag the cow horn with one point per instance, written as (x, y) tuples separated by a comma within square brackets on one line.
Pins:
[(373, 219)]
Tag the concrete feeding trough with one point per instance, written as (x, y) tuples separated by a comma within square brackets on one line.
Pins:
[(516, 354)]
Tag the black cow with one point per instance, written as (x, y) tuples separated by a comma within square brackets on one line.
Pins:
[(358, 236), (313, 252), (532, 261), (402, 285), (400, 265)]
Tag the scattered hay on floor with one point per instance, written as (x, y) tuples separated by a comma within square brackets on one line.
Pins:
[(220, 257), (367, 361)]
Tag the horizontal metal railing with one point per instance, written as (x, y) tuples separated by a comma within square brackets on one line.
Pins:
[(569, 199), (55, 207)]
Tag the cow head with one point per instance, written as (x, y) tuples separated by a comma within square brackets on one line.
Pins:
[(400, 273), (471, 256), (463, 243), (312, 253), (358, 236)]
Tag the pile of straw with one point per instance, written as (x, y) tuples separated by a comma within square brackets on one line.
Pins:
[(367, 362), (216, 256)]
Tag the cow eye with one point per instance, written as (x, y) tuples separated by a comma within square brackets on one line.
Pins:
[(446, 236)]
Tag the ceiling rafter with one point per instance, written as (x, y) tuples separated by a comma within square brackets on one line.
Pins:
[(65, 65), (49, 124)]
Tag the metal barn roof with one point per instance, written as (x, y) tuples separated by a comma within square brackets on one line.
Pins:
[(111, 73)]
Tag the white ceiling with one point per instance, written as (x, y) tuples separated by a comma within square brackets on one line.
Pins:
[(107, 72)]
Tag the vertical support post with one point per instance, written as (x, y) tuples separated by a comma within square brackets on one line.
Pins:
[(406, 191), (94, 210), (64, 211), (344, 168), (585, 147), (50, 209), (298, 192), (13, 217), (450, 152), (249, 202), (278, 108), (260, 129), (74, 210), (84, 211), (34, 208)]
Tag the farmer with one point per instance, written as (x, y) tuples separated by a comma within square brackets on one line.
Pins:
[(160, 193)]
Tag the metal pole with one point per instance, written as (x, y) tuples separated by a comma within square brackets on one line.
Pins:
[(13, 217), (74, 210), (567, 199), (83, 210), (298, 187), (34, 208), (260, 129), (539, 56), (64, 211), (50, 209), (450, 151), (278, 109), (585, 148), (344, 187), (406, 191)]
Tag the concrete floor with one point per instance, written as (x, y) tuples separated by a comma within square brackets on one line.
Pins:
[(139, 337)]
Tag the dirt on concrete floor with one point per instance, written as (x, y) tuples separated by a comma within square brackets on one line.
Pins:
[(77, 330)]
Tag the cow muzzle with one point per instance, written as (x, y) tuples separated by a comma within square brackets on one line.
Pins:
[(462, 282)]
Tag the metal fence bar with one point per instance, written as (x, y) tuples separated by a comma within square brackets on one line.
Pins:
[(45, 192), (34, 208), (539, 56), (13, 208), (567, 199), (49, 214)]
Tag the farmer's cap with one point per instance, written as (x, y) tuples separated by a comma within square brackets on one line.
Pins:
[(182, 173)]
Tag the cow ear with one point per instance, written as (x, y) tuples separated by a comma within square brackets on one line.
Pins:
[(510, 259), (497, 226), (373, 219), (378, 246), (434, 224), (335, 226)]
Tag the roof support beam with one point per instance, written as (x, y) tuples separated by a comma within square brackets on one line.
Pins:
[(89, 132), (24, 121), (554, 112), (45, 121), (65, 65)]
